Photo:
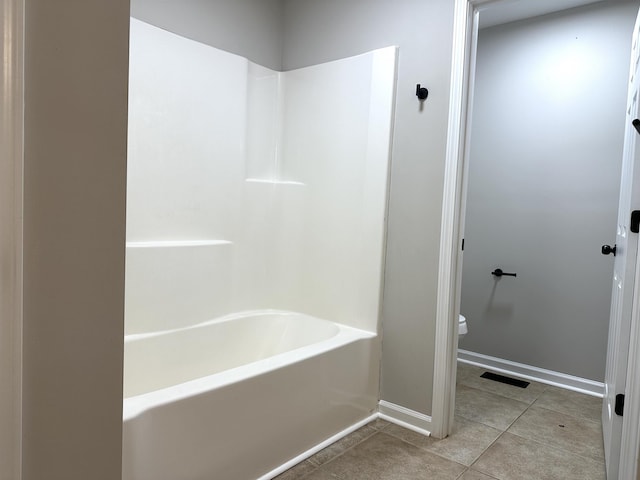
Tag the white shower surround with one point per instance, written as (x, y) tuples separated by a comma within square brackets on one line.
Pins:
[(281, 177), (256, 190)]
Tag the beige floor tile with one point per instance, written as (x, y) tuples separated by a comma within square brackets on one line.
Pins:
[(465, 444), (576, 435), (380, 424), (572, 403), (465, 370), (487, 408), (515, 458), (472, 475), (406, 435), (385, 457), (321, 474), (297, 472), (469, 375), (467, 441), (337, 448)]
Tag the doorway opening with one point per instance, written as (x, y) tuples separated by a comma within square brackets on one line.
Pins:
[(516, 153), (543, 183)]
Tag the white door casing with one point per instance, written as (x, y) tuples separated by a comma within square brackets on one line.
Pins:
[(11, 134), (624, 275)]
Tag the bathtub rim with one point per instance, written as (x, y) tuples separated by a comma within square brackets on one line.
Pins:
[(229, 317), (138, 405)]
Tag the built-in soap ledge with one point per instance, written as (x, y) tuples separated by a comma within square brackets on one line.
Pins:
[(178, 243), (274, 182)]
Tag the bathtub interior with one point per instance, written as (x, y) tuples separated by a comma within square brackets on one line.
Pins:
[(155, 361)]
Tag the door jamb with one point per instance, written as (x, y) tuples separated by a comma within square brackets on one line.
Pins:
[(630, 444), (11, 191), (465, 34)]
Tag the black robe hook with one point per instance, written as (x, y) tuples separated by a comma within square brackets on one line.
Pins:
[(421, 92)]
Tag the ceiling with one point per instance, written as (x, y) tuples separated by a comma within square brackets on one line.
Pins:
[(512, 10)]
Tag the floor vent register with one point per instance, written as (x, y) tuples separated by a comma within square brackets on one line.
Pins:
[(502, 379)]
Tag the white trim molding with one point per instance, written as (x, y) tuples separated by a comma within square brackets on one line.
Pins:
[(630, 442), (535, 374), (465, 33), (450, 261), (405, 417), (313, 450), (391, 412), (11, 166)]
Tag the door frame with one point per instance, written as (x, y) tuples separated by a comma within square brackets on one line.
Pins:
[(630, 444), (11, 189), (465, 34)]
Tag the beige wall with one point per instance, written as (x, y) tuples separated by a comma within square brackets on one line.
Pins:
[(317, 31), (74, 231)]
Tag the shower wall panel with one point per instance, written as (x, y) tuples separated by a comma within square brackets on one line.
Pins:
[(282, 175), (337, 125), (186, 137)]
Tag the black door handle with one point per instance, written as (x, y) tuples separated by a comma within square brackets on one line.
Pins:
[(608, 250), (499, 273)]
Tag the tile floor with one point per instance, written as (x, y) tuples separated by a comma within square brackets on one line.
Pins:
[(501, 432)]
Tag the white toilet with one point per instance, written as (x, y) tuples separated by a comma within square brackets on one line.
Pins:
[(462, 326)]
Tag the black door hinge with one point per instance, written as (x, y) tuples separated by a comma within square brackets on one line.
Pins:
[(463, 244), (619, 408), (634, 224)]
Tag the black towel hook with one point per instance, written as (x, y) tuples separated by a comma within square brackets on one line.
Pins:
[(421, 92)]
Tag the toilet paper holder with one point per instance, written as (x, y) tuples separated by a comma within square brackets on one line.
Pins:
[(499, 273)]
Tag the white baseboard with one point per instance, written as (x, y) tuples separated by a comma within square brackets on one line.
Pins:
[(535, 374), (410, 419), (313, 450)]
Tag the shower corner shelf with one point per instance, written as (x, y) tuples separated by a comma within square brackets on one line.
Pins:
[(178, 243), (274, 182)]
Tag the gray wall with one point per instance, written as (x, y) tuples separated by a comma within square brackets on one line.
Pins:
[(250, 28), (74, 232), (544, 179), (318, 31)]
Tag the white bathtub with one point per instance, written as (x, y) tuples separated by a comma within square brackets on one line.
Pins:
[(238, 397)]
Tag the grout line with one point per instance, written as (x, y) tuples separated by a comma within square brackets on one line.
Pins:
[(527, 438), (462, 474), (542, 443), (558, 448), (582, 419), (506, 398), (485, 450), (441, 455), (331, 459), (376, 430)]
